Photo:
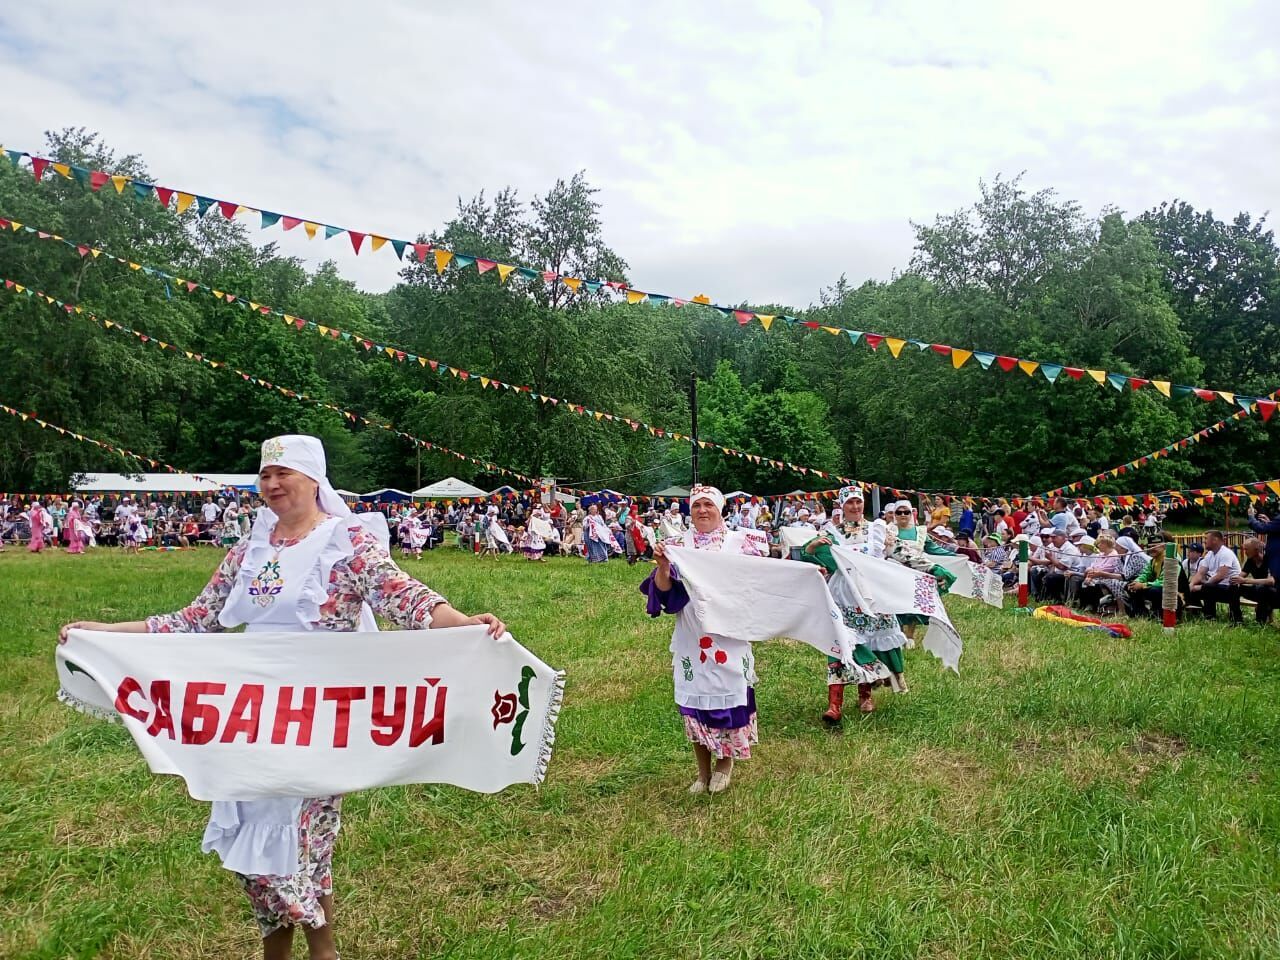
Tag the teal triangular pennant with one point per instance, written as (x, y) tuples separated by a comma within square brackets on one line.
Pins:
[(985, 359), (331, 231), (269, 219)]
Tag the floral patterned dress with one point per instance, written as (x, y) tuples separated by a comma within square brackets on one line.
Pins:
[(730, 732), (368, 575)]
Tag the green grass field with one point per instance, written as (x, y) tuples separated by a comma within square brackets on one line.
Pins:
[(1068, 795)]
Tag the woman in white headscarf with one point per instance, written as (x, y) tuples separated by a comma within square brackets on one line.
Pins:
[(718, 700), (309, 564), (598, 536)]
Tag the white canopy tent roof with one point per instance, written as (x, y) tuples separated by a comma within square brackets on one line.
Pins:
[(164, 482), (450, 488)]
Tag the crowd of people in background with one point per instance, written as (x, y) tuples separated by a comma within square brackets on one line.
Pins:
[(1079, 556)]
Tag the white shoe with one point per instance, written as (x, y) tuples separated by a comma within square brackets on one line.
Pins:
[(719, 782), (698, 786)]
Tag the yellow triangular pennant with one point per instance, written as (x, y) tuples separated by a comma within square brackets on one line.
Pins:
[(635, 296), (504, 271), (960, 357), (185, 200), (311, 229), (1099, 375), (119, 182), (377, 242), (442, 259), (1162, 386), (766, 322), (573, 283), (895, 345), (1028, 366)]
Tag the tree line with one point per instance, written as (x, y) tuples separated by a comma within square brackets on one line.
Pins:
[(1172, 293)]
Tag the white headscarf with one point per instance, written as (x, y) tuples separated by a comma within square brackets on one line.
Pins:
[(306, 455), (703, 492)]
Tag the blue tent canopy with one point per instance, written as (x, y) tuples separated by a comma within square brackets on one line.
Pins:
[(602, 497), (386, 495)]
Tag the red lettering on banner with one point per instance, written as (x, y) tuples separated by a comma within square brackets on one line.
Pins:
[(162, 719), (302, 715), (245, 714), (392, 724), (342, 696), (128, 687), (203, 731), (420, 731)]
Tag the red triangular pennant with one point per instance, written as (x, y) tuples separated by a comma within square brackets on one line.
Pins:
[(1007, 363)]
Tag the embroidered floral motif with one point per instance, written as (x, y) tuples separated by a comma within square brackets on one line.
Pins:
[(926, 591), (369, 575), (705, 645), (267, 584), (272, 450), (862, 622)]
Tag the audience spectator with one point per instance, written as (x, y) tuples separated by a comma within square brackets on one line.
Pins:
[(1213, 576)]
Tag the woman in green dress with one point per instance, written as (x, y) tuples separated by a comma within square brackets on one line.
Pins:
[(909, 545)]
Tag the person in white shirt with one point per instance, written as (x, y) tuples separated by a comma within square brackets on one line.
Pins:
[(1212, 581), (209, 511), (1058, 561)]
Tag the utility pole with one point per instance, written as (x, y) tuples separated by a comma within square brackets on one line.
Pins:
[(693, 421)]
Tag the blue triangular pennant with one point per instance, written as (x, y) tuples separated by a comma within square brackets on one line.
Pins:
[(398, 246), (142, 190), (1051, 371), (461, 260), (1117, 380), (81, 174), (854, 335), (203, 204), (528, 273), (331, 231), (269, 219), (985, 359)]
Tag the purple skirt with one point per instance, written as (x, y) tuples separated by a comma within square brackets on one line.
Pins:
[(728, 719)]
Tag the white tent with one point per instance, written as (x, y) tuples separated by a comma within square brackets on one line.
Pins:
[(164, 482), (450, 488)]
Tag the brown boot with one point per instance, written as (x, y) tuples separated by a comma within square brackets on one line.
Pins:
[(835, 701), (865, 703)]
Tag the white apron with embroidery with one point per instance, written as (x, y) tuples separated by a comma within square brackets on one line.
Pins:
[(278, 589), (711, 672)]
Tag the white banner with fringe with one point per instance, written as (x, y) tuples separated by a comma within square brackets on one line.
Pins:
[(246, 716)]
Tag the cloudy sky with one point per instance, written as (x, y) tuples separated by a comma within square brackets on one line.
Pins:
[(749, 150)]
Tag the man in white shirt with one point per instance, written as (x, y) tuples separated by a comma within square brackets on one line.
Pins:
[(1212, 579), (1057, 562), (209, 511)]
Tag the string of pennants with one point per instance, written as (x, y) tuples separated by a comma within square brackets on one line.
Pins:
[(1265, 406), (151, 462), (1235, 493), (74, 310), (443, 258), (399, 355)]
